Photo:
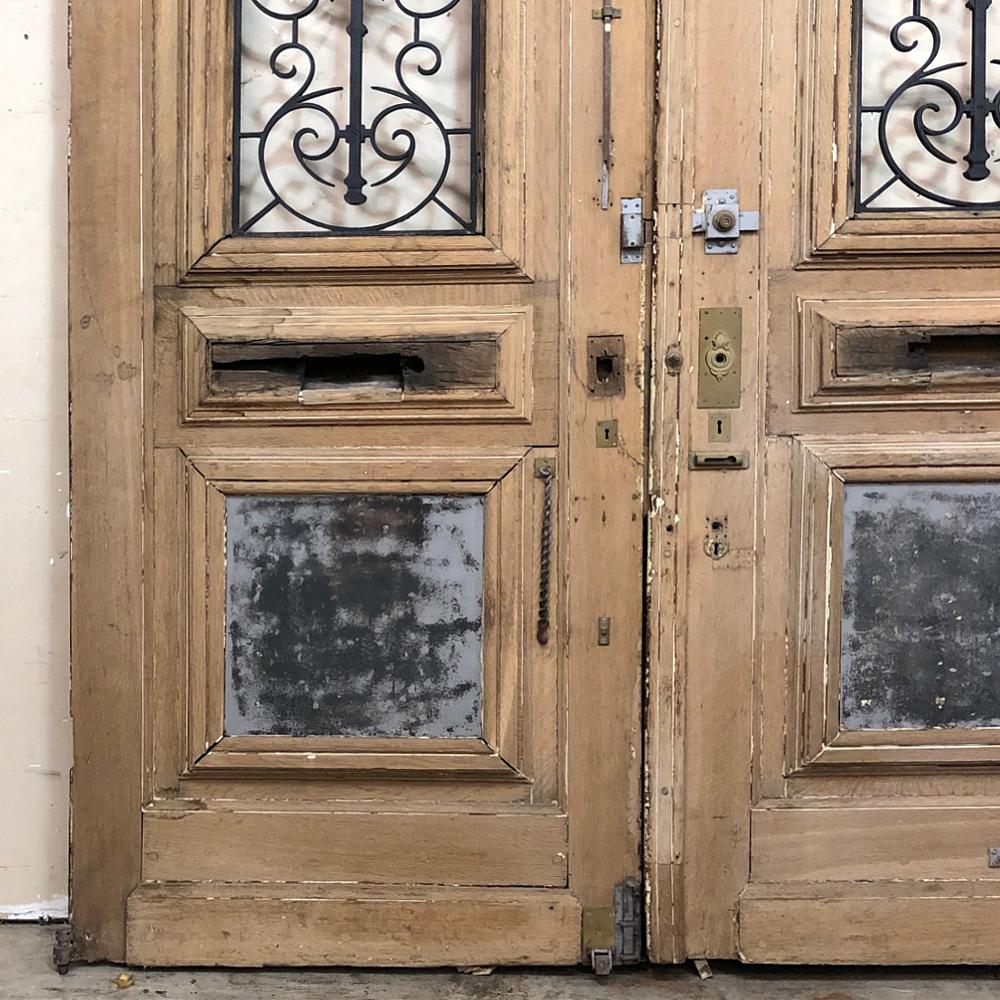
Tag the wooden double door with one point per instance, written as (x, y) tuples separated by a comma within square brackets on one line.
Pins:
[(535, 481)]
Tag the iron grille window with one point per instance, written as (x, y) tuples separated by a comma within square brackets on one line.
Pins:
[(927, 105), (357, 116)]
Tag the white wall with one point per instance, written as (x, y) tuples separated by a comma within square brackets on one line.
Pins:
[(35, 751)]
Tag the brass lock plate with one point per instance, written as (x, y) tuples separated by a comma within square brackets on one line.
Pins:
[(720, 351)]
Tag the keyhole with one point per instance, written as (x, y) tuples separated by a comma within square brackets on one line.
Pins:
[(607, 433), (718, 427)]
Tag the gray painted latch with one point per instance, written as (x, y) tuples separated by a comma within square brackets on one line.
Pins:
[(633, 231), (722, 222)]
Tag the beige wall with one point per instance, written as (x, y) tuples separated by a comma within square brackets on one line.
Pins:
[(34, 695)]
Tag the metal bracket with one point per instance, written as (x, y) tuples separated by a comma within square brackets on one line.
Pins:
[(633, 231), (601, 961), (722, 221)]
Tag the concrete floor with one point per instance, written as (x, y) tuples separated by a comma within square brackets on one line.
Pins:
[(26, 973)]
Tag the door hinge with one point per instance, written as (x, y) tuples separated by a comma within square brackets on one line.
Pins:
[(613, 935), (636, 231), (628, 921), (722, 221)]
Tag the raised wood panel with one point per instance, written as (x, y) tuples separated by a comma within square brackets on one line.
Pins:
[(871, 844), (461, 848), (506, 396), (401, 926), (910, 923), (254, 926), (864, 355)]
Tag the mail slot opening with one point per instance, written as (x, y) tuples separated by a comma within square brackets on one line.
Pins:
[(957, 352), (321, 370), (918, 355)]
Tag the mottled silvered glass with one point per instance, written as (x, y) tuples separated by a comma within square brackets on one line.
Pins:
[(927, 117), (354, 615), (921, 606), (357, 116)]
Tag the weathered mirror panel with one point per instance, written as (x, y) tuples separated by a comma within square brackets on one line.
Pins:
[(357, 116), (354, 615), (926, 81), (920, 638)]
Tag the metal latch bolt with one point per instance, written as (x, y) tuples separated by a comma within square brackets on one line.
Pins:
[(722, 222)]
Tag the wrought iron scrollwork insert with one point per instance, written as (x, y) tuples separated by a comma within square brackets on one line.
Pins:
[(375, 152), (946, 105)]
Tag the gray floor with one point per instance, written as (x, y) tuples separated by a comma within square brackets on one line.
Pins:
[(26, 973)]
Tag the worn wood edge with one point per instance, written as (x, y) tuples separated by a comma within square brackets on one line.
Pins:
[(877, 923), (209, 924), (107, 304)]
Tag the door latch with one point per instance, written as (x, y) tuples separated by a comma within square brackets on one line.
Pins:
[(722, 222), (606, 15), (634, 236)]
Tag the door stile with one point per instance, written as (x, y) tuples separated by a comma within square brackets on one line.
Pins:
[(605, 492), (664, 717), (108, 306), (716, 140)]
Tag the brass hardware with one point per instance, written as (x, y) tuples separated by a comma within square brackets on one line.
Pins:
[(598, 927), (607, 433), (606, 365), (720, 427), (717, 538), (721, 460), (724, 220), (720, 346), (604, 631), (673, 360)]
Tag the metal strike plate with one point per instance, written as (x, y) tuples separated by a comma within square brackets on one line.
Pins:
[(607, 433), (720, 349), (722, 221), (633, 231), (722, 461), (606, 365)]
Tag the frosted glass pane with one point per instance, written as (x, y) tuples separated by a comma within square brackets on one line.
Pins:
[(357, 116), (927, 122), (354, 615), (921, 625)]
